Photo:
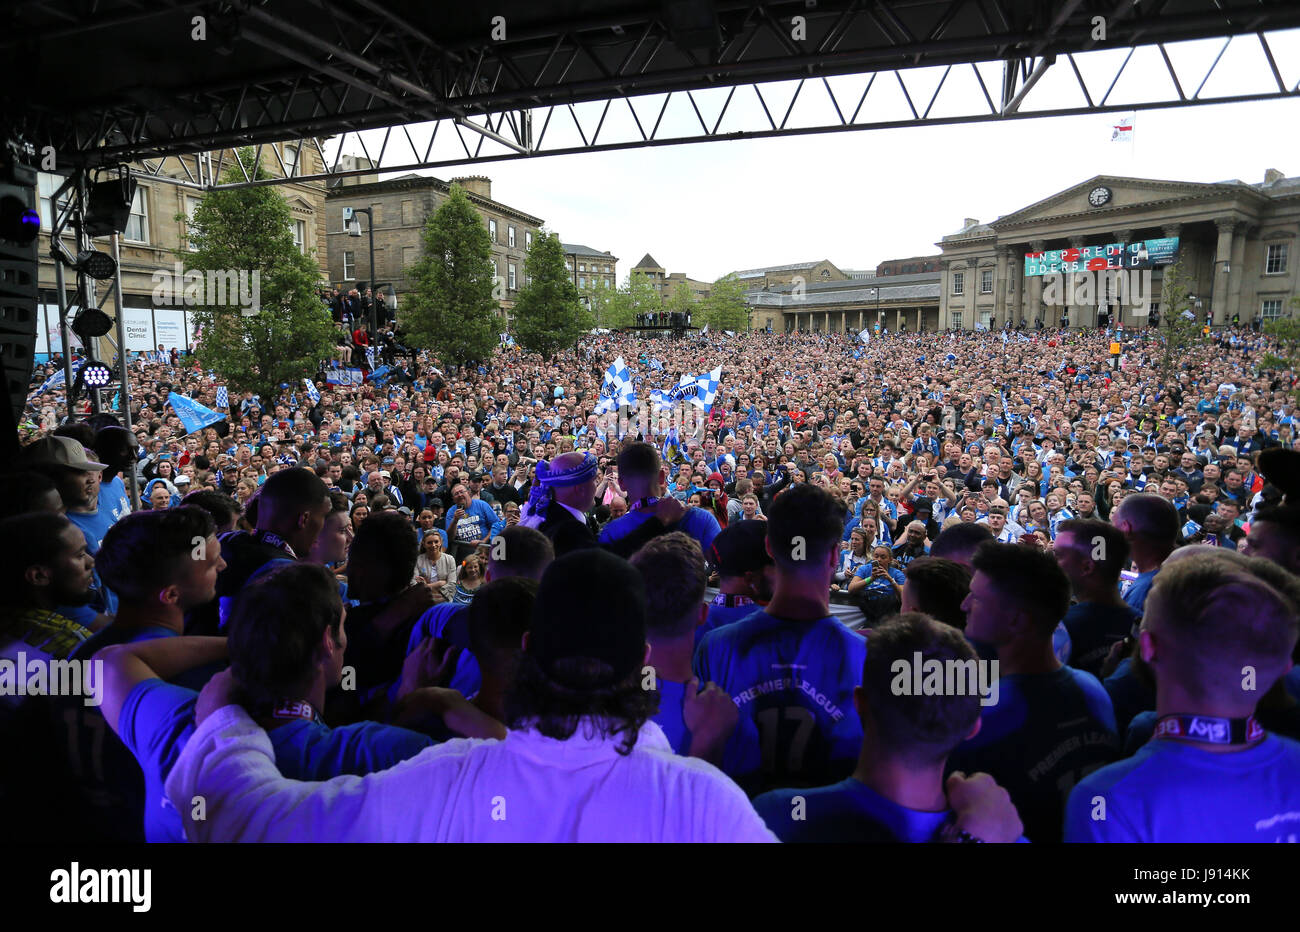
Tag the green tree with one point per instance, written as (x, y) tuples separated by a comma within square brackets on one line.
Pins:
[(247, 231), (453, 307), (548, 314), (1286, 330), (606, 305), (681, 300), (1180, 333), (725, 308)]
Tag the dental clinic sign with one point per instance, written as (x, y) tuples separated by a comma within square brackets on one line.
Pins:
[(1144, 254)]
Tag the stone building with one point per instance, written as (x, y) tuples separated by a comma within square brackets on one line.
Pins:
[(667, 284), (590, 268), (400, 208), (1235, 243), (156, 229)]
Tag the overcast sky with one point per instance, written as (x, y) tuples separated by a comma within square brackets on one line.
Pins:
[(858, 198)]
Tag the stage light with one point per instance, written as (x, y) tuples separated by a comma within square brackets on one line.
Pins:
[(96, 374), (110, 206), (96, 264), (19, 224), (90, 323)]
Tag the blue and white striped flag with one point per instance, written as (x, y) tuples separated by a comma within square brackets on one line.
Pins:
[(312, 391), (661, 400), (616, 389), (656, 365), (223, 397), (708, 389)]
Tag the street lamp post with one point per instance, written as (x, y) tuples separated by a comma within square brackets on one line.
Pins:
[(354, 229)]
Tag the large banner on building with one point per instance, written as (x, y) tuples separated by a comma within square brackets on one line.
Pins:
[(1144, 254)]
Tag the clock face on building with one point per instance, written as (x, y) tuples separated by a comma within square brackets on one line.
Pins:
[(1099, 196)]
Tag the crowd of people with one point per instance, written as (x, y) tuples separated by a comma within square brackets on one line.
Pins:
[(581, 624)]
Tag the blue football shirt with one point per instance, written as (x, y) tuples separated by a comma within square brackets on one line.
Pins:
[(1044, 733), (1171, 791), (697, 523), (793, 682), (468, 679), (848, 811), (158, 719)]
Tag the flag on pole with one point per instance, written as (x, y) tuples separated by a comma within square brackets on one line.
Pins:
[(193, 415), (312, 391), (1122, 129), (223, 397), (705, 330)]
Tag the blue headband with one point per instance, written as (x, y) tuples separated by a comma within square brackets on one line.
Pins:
[(547, 479)]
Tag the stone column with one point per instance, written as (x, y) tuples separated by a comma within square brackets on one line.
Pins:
[(1237, 273), (1227, 227), (1000, 309), (1035, 289)]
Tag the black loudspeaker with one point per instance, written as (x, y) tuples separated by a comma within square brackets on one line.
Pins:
[(110, 206), (18, 291)]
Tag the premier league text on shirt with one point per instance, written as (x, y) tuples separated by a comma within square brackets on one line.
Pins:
[(42, 676), (921, 677)]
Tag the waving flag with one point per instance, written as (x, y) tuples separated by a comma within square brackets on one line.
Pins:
[(617, 388), (312, 391), (57, 380), (661, 400), (656, 365), (687, 387), (193, 415), (344, 376), (708, 389), (865, 335), (1122, 129), (223, 397)]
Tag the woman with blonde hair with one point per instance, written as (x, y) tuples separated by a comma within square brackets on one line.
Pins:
[(436, 567)]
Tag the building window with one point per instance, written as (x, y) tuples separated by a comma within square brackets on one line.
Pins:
[(290, 160), (137, 227), (511, 282), (582, 281), (408, 213), (1275, 261), (986, 281), (510, 236), (47, 184), (1271, 309), (492, 230), (349, 266), (409, 256), (191, 205), (958, 283), (299, 229), (582, 266), (528, 239), (956, 320)]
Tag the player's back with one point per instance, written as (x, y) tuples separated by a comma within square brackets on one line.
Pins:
[(794, 681)]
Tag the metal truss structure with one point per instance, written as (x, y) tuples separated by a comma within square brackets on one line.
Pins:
[(410, 84)]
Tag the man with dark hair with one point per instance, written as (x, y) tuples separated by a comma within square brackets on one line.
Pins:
[(1092, 554), (644, 476), (161, 564), (791, 667), (29, 491), (1150, 525), (1275, 535), (381, 570), (745, 571), (1211, 773), (225, 511), (45, 564), (580, 747), (959, 542), (897, 793), (937, 587), (286, 645), (290, 511), (498, 621), (1047, 724), (696, 721)]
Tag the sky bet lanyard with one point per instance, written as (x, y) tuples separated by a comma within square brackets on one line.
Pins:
[(275, 540), (732, 601), (1206, 729), (296, 708)]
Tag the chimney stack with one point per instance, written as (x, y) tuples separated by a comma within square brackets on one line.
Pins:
[(476, 184), (1272, 175), (970, 222)]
